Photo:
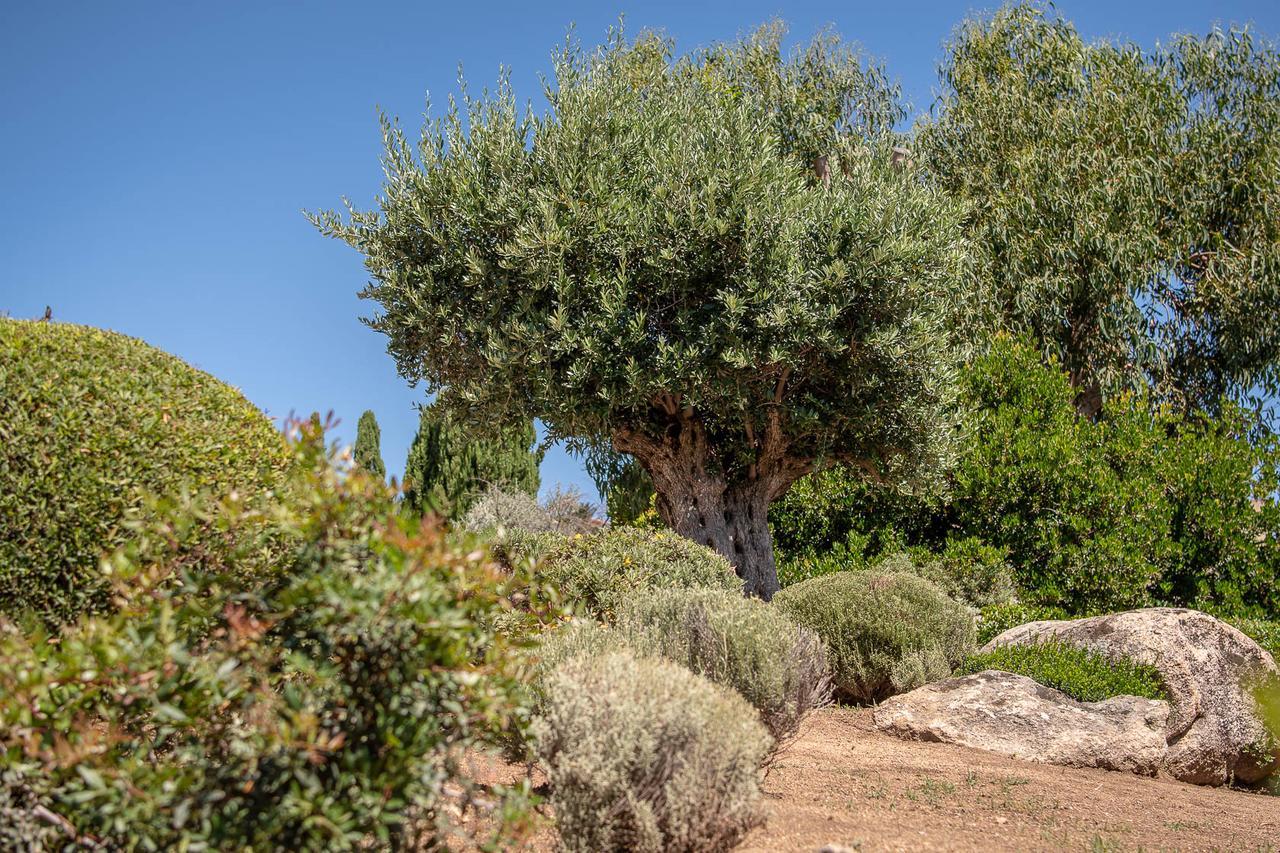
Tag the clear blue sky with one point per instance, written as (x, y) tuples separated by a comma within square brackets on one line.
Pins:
[(155, 158)]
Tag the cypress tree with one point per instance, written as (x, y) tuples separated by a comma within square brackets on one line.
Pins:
[(449, 465), (368, 450)]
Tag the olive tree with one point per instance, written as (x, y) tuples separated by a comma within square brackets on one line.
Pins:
[(712, 259)]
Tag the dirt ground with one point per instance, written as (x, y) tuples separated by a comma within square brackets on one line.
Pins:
[(843, 783)]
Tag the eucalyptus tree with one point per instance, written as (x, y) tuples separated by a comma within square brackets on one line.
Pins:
[(1121, 204), (708, 258)]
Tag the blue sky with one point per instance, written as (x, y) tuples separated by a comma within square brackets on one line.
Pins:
[(155, 158)]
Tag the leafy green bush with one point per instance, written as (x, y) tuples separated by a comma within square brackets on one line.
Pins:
[(602, 571), (643, 755), (743, 643), (967, 570), (90, 423), (1076, 671), (885, 632), (1265, 633), (995, 619), (323, 709), (1141, 506)]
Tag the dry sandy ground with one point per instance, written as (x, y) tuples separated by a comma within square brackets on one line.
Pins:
[(842, 782)]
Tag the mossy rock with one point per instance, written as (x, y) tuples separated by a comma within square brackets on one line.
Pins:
[(91, 423)]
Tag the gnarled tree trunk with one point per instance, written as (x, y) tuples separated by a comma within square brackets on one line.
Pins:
[(726, 511)]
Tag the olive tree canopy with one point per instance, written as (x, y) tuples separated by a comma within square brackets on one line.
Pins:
[(710, 258)]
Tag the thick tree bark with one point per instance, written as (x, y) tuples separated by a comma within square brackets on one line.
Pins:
[(731, 520), (726, 512)]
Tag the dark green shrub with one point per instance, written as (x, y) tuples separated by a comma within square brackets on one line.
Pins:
[(451, 464), (968, 570), (995, 619), (600, 572), (642, 755), (742, 643), (885, 632), (91, 422), (1141, 506), (838, 510), (324, 709), (850, 556), (1076, 671)]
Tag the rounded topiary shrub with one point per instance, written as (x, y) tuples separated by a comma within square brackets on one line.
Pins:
[(90, 423), (601, 571), (743, 643), (643, 755), (886, 632)]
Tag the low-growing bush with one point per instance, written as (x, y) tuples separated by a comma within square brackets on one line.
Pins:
[(1076, 671), (885, 632), (1264, 632), (966, 569), (602, 571), (323, 706), (743, 643), (642, 755), (568, 640), (564, 511), (995, 619), (91, 424), (508, 509)]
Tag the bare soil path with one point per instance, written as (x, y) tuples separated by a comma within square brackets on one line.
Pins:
[(842, 782)]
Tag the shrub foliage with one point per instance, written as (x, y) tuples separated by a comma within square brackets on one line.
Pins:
[(1142, 506), (452, 463), (91, 422), (743, 643), (324, 708), (643, 755), (1078, 672), (885, 632), (601, 572)]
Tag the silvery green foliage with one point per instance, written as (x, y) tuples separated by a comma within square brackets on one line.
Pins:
[(886, 632), (742, 643), (644, 756), (21, 828), (665, 229), (599, 573), (563, 511), (508, 509), (1121, 203)]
